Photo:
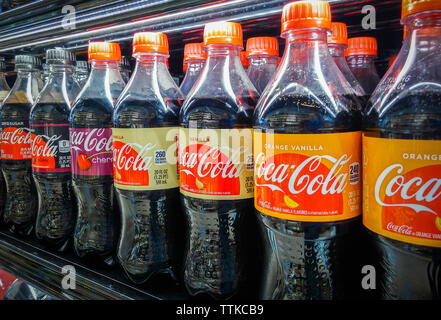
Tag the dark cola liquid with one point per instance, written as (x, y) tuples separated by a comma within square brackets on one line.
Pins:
[(318, 260), (223, 244), (56, 203), (151, 240), (407, 271), (97, 224), (21, 196)]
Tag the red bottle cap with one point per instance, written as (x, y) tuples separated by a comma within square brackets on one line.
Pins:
[(194, 51), (104, 51), (150, 42), (223, 32), (306, 14), (339, 33), (263, 45), (362, 46)]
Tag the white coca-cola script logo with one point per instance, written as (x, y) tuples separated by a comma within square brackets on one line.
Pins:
[(16, 136), (49, 149), (95, 140), (395, 183), (209, 163), (303, 176), (123, 160)]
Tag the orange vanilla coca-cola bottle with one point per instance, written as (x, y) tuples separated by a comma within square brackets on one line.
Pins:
[(307, 158), (402, 162)]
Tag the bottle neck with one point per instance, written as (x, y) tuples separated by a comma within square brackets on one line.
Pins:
[(307, 47), (222, 56), (195, 66), (337, 50), (262, 59), (28, 81), (151, 65), (423, 34), (361, 61), (104, 73)]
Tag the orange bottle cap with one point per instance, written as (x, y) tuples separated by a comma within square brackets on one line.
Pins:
[(223, 32), (306, 14), (339, 33), (263, 45), (150, 42), (243, 58), (194, 51), (104, 51), (409, 7), (362, 46)]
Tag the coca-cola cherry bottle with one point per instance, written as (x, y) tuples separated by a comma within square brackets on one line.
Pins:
[(15, 145), (262, 55), (402, 163), (194, 61), (361, 54), (91, 123), (337, 43), (215, 160), (145, 168), (51, 167), (307, 157)]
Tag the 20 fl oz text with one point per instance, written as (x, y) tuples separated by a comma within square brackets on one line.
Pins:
[(223, 309)]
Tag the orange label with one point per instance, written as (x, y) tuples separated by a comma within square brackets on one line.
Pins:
[(402, 189), (216, 164), (308, 177)]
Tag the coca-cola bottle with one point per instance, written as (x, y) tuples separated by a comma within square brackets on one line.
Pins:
[(361, 54), (215, 147), (15, 145), (402, 163), (145, 170), (337, 43), (262, 55), (194, 61), (4, 91), (91, 124), (81, 72), (124, 69), (307, 154), (51, 165)]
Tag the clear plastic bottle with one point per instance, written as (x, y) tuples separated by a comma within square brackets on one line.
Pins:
[(307, 155), (194, 61), (218, 206), (337, 43), (361, 54), (401, 195), (4, 91), (96, 228), (145, 170), (124, 69), (51, 165), (45, 72), (81, 72), (21, 196), (262, 55)]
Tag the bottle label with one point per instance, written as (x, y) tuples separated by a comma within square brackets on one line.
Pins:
[(308, 177), (402, 189), (16, 140), (92, 151), (145, 158), (50, 148), (216, 164)]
